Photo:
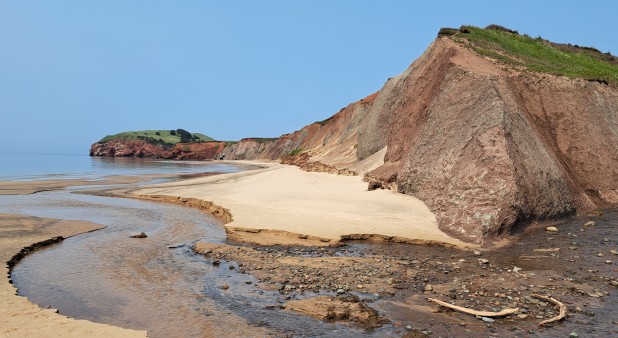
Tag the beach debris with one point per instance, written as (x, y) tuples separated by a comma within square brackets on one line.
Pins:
[(140, 235), (516, 269), (551, 229), (589, 224), (473, 312), (561, 307), (547, 250), (176, 246)]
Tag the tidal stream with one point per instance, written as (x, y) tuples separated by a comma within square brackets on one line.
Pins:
[(156, 283)]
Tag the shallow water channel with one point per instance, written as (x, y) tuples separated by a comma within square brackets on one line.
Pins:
[(154, 283)]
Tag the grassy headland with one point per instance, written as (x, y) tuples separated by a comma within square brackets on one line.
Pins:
[(165, 138), (537, 54)]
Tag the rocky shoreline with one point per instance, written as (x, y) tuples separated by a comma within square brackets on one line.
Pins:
[(398, 279)]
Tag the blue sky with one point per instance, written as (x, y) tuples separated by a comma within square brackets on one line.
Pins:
[(72, 72)]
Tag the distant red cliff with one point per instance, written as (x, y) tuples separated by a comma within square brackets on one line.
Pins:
[(137, 148)]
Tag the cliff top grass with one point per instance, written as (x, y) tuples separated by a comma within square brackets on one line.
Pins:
[(165, 138), (537, 54)]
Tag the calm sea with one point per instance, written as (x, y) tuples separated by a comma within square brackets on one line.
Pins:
[(16, 166)]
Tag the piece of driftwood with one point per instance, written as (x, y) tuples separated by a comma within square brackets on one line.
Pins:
[(474, 312), (561, 306)]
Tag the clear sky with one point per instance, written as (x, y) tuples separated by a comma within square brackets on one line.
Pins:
[(72, 72)]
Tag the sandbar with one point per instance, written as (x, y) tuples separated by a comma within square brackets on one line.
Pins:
[(281, 204), (34, 186)]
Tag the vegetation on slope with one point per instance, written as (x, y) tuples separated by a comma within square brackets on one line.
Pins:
[(164, 138), (538, 54)]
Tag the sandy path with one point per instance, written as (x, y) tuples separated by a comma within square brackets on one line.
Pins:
[(21, 318), (285, 202)]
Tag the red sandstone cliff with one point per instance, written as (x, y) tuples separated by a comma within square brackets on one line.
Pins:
[(487, 147), (136, 148)]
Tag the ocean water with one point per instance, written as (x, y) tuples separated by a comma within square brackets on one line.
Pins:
[(22, 166)]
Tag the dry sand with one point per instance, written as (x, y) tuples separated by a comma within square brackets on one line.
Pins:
[(21, 318), (284, 205)]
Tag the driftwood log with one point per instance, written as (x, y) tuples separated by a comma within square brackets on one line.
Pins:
[(561, 306), (474, 312)]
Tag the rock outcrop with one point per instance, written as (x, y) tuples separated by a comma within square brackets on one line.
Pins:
[(489, 147)]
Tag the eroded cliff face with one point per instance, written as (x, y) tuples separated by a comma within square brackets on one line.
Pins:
[(487, 147), (180, 151)]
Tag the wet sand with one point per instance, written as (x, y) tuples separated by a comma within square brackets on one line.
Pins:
[(283, 205), (18, 316), (32, 187)]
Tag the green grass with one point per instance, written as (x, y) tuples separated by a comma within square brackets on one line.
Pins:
[(540, 55), (165, 138), (261, 139), (295, 152)]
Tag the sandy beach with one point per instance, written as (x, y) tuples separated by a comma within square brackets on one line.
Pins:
[(21, 318), (282, 204)]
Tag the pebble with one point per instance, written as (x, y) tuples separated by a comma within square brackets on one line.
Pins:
[(483, 261), (225, 286), (573, 335), (359, 286), (477, 253), (522, 316), (589, 224), (600, 254), (428, 287), (340, 291), (608, 262), (613, 252), (488, 320), (140, 235), (552, 229)]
